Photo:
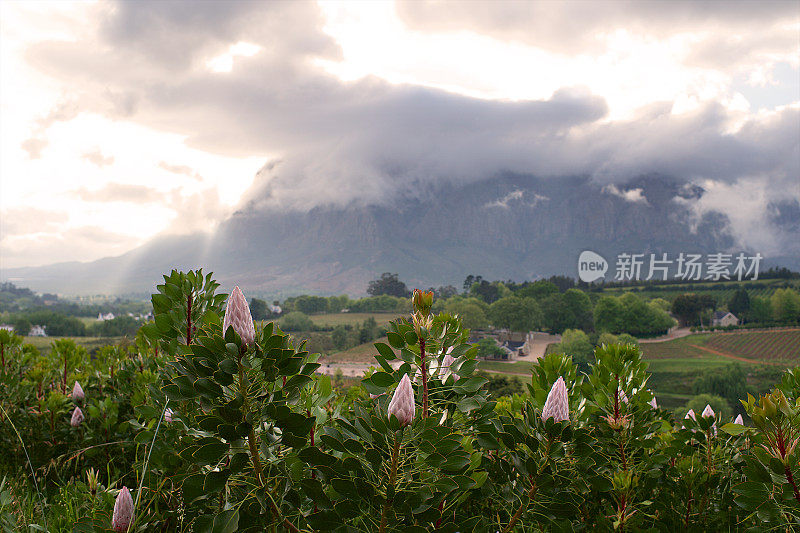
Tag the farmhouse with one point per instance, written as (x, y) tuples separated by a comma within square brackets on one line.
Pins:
[(724, 318), (37, 331)]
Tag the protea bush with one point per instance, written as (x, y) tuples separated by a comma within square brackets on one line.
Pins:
[(224, 425)]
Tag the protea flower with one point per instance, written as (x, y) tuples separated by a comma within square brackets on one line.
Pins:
[(739, 420), (446, 362), (402, 404), (708, 411), (237, 314), (622, 396), (77, 393), (691, 415), (654, 403), (123, 511), (77, 417), (557, 404), (168, 415)]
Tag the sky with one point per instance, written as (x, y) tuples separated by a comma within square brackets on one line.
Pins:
[(120, 121)]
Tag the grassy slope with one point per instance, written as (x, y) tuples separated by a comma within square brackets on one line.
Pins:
[(90, 343)]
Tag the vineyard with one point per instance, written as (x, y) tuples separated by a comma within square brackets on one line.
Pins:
[(782, 345)]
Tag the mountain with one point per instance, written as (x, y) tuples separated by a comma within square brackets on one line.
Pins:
[(508, 227)]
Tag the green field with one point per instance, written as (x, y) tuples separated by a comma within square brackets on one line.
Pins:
[(759, 347), (90, 343), (343, 319)]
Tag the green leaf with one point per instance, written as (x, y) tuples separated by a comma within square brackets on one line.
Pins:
[(382, 379), (395, 340), (385, 351)]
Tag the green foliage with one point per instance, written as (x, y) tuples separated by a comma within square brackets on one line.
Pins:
[(786, 306), (471, 311), (729, 383), (516, 314), (570, 310), (388, 284), (296, 321), (489, 349), (259, 309), (538, 290), (575, 343), (739, 303)]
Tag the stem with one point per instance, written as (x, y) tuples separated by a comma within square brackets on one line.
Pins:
[(531, 493), (254, 455), (688, 510), (790, 478), (424, 369), (392, 477)]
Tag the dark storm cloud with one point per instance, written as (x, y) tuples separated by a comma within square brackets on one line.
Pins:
[(341, 142)]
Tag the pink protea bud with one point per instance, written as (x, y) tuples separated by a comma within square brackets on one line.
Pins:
[(654, 403), (168, 415), (557, 404), (622, 396), (237, 314), (708, 411), (77, 417), (691, 415), (739, 420), (402, 404), (123, 511), (446, 363), (77, 393)]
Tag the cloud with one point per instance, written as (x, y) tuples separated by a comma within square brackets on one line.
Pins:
[(367, 141), (97, 158), (516, 196), (629, 195), (180, 169), (577, 26), (22, 220), (63, 111)]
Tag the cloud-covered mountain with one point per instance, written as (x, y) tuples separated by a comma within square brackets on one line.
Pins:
[(511, 226)]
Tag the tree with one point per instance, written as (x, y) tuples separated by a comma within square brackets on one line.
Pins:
[(740, 303), (730, 383), (388, 284), (760, 310), (576, 343), (339, 337), (608, 314), (488, 292), (538, 289), (516, 314), (489, 348), (580, 307), (472, 314), (22, 326), (296, 321), (687, 308), (259, 309), (311, 304), (786, 306)]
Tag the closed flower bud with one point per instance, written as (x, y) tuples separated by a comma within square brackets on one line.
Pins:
[(691, 415), (654, 403), (123, 511), (557, 404), (622, 396), (739, 420), (422, 301), (168, 415), (77, 417), (446, 363), (237, 314), (77, 393), (708, 411), (402, 404)]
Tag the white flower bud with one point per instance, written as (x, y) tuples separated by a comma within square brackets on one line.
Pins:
[(622, 396), (77, 393), (654, 403), (237, 314), (708, 411), (446, 363), (77, 417), (691, 415), (557, 404), (402, 404), (739, 420), (123, 511), (168, 415)]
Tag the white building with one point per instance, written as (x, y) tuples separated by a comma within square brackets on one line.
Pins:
[(102, 317), (37, 331), (7, 327), (724, 318)]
